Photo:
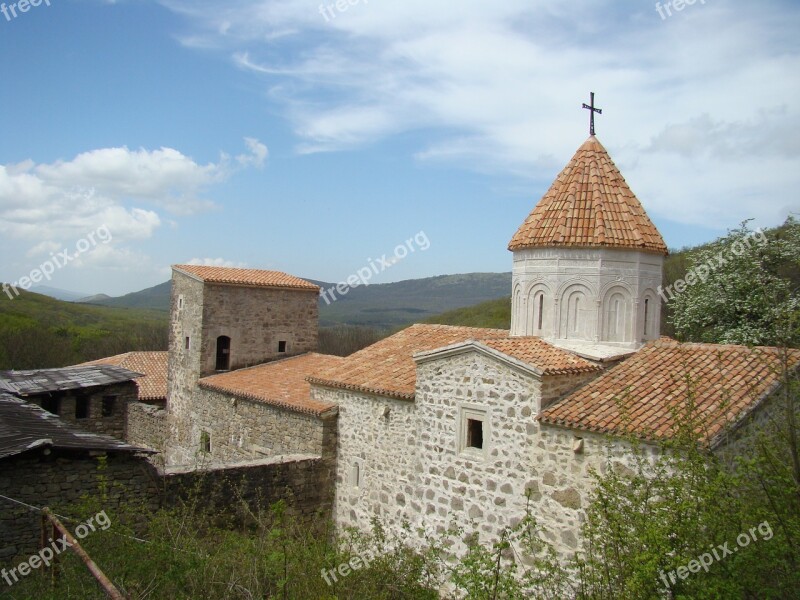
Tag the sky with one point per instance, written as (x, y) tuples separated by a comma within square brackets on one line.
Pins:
[(317, 139)]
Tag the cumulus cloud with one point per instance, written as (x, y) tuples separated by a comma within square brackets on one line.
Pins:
[(498, 86), (125, 190)]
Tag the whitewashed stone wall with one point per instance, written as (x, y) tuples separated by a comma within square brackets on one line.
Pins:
[(412, 469), (378, 449), (564, 480), (598, 277)]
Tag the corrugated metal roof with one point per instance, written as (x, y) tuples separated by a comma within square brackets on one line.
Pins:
[(42, 381), (25, 426)]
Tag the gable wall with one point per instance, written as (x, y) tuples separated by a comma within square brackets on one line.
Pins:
[(413, 469)]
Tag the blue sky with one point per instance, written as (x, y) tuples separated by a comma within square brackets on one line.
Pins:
[(296, 136)]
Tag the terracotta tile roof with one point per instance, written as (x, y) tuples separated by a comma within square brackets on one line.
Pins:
[(281, 383), (640, 395), (589, 205), (153, 384), (251, 277), (543, 356), (387, 368)]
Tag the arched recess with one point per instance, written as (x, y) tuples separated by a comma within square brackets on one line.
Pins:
[(517, 312), (578, 313), (651, 314), (617, 315), (540, 311)]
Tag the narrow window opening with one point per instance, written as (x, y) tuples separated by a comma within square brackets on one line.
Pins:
[(187, 342), (109, 403), (475, 434), (541, 309), (575, 314), (180, 302), (205, 442), (646, 313), (281, 346), (223, 353), (81, 407)]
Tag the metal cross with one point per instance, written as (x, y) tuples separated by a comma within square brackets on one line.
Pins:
[(592, 110)]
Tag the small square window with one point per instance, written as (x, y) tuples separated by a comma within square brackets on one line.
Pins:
[(81, 408), (281, 346), (205, 442), (109, 402), (473, 431)]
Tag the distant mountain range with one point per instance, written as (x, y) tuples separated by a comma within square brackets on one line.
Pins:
[(58, 294), (385, 305)]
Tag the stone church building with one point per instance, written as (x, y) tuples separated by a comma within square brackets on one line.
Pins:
[(440, 424)]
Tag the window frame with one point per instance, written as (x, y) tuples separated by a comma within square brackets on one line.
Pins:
[(467, 413)]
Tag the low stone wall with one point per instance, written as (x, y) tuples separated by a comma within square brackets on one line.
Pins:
[(304, 483), (241, 429), (59, 479)]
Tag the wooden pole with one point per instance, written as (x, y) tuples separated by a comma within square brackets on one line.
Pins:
[(101, 578)]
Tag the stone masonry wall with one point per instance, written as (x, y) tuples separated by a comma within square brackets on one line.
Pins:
[(58, 480), (147, 426), (256, 320), (304, 484), (186, 317), (413, 464), (376, 461), (114, 424), (243, 429), (564, 478)]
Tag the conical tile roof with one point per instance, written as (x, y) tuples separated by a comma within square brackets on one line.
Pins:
[(589, 205)]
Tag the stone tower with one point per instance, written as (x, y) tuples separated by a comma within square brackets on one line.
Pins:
[(588, 260), (223, 319)]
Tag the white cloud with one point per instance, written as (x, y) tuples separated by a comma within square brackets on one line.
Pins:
[(498, 86), (214, 262), (258, 154), (125, 190)]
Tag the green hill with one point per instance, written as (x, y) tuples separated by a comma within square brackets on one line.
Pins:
[(380, 305), (493, 313), (38, 331), (155, 298)]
